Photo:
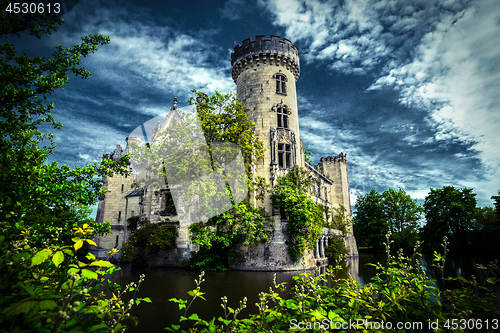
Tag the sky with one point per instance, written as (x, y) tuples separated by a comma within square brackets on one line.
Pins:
[(408, 89)]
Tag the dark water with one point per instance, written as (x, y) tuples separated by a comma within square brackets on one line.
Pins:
[(162, 284)]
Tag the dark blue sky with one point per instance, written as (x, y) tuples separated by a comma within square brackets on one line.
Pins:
[(408, 89)]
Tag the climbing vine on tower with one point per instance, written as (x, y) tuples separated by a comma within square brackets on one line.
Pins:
[(305, 217)]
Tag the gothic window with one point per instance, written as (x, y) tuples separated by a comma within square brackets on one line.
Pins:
[(167, 203), (280, 83), (282, 117), (284, 155)]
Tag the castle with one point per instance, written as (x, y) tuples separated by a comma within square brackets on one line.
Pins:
[(265, 71)]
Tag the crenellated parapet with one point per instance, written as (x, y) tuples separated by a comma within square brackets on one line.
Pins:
[(267, 51), (339, 158)]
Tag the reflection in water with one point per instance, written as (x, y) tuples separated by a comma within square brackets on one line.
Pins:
[(163, 284)]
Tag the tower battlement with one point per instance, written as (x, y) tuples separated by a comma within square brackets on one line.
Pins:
[(339, 158), (266, 50)]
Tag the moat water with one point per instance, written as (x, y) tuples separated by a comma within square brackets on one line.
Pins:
[(162, 284)]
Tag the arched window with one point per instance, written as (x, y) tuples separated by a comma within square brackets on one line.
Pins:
[(282, 117), (280, 83)]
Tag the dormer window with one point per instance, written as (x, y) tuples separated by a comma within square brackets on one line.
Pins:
[(282, 117), (280, 83)]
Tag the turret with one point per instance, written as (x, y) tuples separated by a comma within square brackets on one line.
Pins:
[(335, 168), (265, 71)]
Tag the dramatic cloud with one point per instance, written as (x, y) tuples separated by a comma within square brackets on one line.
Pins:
[(454, 75), (154, 54), (358, 35)]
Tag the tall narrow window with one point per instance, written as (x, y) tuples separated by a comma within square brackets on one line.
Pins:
[(122, 188), (284, 155), (282, 117), (117, 238), (280, 84), (119, 216)]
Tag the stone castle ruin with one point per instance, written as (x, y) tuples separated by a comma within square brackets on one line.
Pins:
[(265, 71)]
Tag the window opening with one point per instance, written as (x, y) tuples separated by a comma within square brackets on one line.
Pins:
[(119, 216), (122, 188), (281, 84), (282, 118), (284, 155)]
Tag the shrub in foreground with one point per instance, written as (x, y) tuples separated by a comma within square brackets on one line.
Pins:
[(49, 289), (399, 293)]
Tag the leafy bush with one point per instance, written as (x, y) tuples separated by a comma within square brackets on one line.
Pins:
[(400, 292), (48, 289), (221, 236), (336, 250), (305, 217), (148, 239)]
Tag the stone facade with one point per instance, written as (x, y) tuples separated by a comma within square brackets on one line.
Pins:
[(265, 71)]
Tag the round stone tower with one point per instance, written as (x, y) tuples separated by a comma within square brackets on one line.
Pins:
[(265, 71)]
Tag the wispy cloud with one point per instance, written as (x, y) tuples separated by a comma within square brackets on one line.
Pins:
[(358, 35), (149, 53), (454, 75), (233, 9)]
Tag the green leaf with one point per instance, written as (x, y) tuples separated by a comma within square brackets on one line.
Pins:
[(58, 258), (87, 273), (102, 263), (23, 306), (47, 305), (40, 257), (78, 244), (99, 326)]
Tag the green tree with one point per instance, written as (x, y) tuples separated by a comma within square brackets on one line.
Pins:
[(449, 212), (486, 231), (45, 285), (496, 199), (395, 211), (370, 221), (227, 133), (403, 217), (34, 194)]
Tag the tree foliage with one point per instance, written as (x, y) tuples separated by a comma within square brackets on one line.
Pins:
[(147, 239), (35, 194), (449, 212), (336, 251), (305, 218), (391, 210), (370, 220), (49, 289), (44, 226), (340, 219)]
